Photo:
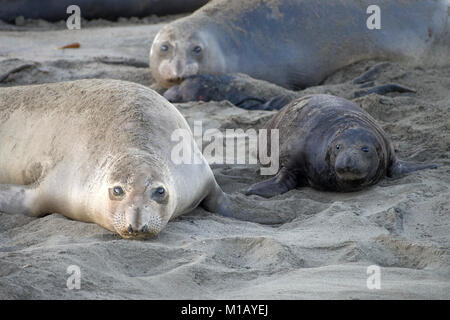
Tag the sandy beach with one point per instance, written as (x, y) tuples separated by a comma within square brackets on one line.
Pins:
[(323, 251)]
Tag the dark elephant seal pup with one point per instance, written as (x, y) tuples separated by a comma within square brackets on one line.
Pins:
[(295, 43), (99, 151), (330, 143)]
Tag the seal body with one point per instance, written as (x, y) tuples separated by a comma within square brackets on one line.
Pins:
[(294, 43), (330, 143), (239, 89), (55, 10), (99, 151)]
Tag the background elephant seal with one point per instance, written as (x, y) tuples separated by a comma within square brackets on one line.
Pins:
[(54, 10), (330, 143), (99, 151), (239, 89), (295, 43)]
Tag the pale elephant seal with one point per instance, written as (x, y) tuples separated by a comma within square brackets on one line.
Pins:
[(330, 143), (295, 43), (100, 151)]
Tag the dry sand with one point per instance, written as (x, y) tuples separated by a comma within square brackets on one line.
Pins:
[(401, 225)]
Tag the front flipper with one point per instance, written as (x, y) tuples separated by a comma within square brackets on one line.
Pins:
[(18, 199), (241, 208), (383, 90), (367, 80), (400, 167), (370, 74), (281, 183), (256, 103)]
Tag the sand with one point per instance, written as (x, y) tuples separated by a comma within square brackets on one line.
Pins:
[(321, 252)]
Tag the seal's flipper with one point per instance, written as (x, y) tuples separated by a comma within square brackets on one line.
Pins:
[(251, 103), (234, 207), (278, 102), (17, 199), (257, 103), (281, 183), (400, 167), (370, 74), (383, 90)]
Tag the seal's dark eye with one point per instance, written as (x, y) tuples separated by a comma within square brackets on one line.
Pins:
[(197, 49), (160, 190), (164, 47), (365, 149), (338, 146), (118, 191)]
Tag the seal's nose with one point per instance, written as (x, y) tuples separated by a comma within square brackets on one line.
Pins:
[(142, 222), (175, 72), (143, 229), (349, 168), (348, 164)]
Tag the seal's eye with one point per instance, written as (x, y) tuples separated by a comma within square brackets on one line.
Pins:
[(164, 47), (365, 149), (159, 195), (160, 190), (118, 191), (338, 146), (197, 49)]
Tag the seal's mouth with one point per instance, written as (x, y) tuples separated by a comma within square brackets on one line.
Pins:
[(142, 234), (137, 235), (350, 167), (350, 175), (176, 80)]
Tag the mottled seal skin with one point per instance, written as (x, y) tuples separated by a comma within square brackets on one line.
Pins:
[(99, 151), (295, 43), (330, 143)]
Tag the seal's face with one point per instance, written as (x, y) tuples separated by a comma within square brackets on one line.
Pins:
[(176, 55), (355, 157), (138, 201)]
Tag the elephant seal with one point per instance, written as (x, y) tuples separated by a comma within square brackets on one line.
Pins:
[(330, 143), (55, 10), (100, 151), (252, 94), (239, 89), (295, 43)]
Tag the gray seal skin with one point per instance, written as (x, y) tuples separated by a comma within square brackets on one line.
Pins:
[(330, 143), (55, 10), (295, 43), (99, 151), (236, 88)]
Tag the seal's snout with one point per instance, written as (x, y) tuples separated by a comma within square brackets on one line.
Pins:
[(141, 223), (350, 167), (175, 72)]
